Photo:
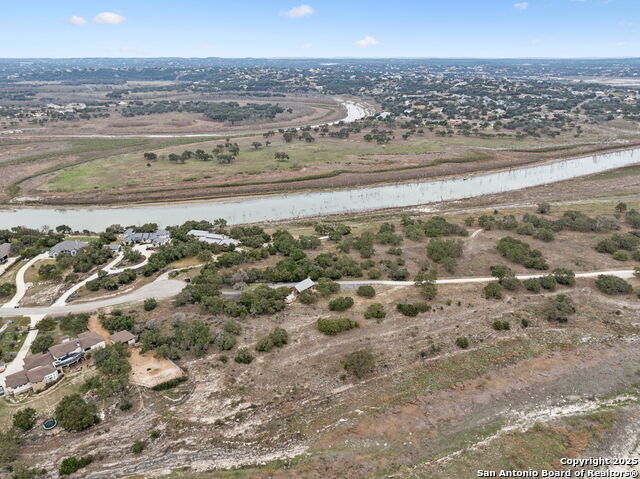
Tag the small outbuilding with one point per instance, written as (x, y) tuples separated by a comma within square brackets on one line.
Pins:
[(123, 337), (299, 288)]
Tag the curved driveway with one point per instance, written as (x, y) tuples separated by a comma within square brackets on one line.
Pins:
[(161, 288)]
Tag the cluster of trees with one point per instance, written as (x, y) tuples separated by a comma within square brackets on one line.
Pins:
[(544, 228), (117, 321), (92, 255), (521, 253), (231, 111), (74, 414), (445, 252), (434, 227), (29, 242), (7, 289), (111, 283), (621, 246), (113, 377), (194, 336)]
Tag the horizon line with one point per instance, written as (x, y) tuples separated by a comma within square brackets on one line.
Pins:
[(317, 58)]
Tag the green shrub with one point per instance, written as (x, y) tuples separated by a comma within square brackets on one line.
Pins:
[(359, 363), (24, 419), (621, 255), (462, 343), (332, 327), (366, 291), (73, 414), (340, 303), (544, 208), (308, 297), (544, 234), (375, 311), (532, 284), (70, 465), (279, 337), (613, 285), (564, 276), (501, 271), (138, 447), (170, 384), (501, 325), (150, 304), (232, 327), (510, 283), (493, 290), (326, 287), (42, 343), (521, 253), (559, 309), (374, 274), (243, 356), (548, 282), (264, 344), (224, 341), (275, 339)]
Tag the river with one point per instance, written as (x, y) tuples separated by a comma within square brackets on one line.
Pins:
[(300, 205)]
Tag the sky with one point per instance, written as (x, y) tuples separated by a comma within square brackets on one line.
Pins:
[(320, 28)]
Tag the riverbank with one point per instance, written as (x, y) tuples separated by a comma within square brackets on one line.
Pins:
[(295, 206)]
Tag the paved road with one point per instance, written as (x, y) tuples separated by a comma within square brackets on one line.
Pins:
[(109, 269), (21, 287), (625, 274), (161, 288)]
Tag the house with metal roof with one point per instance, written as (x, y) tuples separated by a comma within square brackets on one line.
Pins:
[(157, 238), (70, 247), (299, 288), (213, 238)]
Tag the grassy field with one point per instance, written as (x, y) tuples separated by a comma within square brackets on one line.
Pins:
[(131, 170)]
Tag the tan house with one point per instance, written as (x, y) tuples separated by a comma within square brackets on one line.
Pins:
[(41, 376)]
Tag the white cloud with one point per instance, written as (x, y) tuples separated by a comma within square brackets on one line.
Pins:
[(76, 20), (521, 5), (299, 11), (109, 17), (621, 44), (367, 41), (306, 46), (204, 46), (535, 41)]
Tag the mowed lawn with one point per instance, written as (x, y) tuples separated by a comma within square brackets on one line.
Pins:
[(130, 170)]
